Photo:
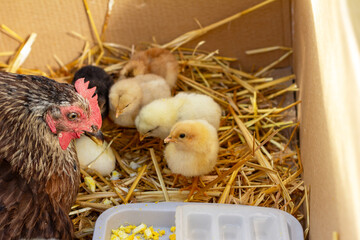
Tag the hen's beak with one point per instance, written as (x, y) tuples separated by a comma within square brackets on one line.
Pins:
[(142, 136), (97, 137), (169, 139)]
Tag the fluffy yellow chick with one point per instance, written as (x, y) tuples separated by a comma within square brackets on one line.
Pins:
[(153, 87), (154, 60), (192, 149), (129, 95), (87, 151), (157, 118)]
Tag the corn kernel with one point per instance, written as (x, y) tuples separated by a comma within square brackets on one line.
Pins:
[(107, 202), (90, 183), (141, 232), (139, 228), (173, 229), (115, 175), (131, 237), (148, 233), (118, 232), (122, 235), (172, 236), (114, 237), (129, 228), (156, 235)]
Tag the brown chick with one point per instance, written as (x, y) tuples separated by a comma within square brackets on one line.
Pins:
[(128, 96), (192, 149), (158, 61)]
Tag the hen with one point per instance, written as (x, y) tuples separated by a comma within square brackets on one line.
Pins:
[(39, 175)]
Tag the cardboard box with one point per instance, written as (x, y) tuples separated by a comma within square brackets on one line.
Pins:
[(325, 61)]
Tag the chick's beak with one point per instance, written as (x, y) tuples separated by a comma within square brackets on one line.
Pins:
[(142, 136), (169, 139), (96, 136), (118, 112)]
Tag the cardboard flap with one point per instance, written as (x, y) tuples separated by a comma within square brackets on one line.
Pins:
[(133, 22)]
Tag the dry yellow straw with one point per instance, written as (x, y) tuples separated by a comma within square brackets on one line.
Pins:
[(96, 195), (239, 177), (21, 54), (133, 186), (244, 84), (271, 65), (268, 84), (11, 33), (158, 172), (95, 32), (292, 87), (306, 231), (335, 236), (61, 64), (94, 205), (107, 17), (239, 164), (6, 54), (216, 67), (259, 156), (226, 191), (77, 35), (267, 49)]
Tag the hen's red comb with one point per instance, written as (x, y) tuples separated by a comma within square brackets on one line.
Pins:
[(88, 93)]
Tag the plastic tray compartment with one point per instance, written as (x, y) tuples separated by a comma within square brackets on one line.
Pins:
[(159, 215), (202, 221), (233, 222)]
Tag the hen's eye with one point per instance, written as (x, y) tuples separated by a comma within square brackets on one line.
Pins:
[(72, 116), (182, 135)]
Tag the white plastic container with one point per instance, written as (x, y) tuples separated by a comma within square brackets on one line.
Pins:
[(203, 221)]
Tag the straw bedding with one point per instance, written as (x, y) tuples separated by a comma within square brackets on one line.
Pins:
[(259, 161)]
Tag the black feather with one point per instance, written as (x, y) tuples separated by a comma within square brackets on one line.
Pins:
[(101, 80)]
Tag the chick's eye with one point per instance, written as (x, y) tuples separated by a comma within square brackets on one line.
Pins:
[(182, 135), (72, 116)]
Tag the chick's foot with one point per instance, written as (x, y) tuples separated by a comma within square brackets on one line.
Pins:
[(193, 188)]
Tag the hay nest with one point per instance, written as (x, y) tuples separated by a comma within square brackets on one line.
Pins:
[(259, 160)]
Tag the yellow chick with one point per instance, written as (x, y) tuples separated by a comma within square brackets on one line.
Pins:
[(153, 87), (157, 118), (192, 149), (154, 60), (129, 95), (93, 156)]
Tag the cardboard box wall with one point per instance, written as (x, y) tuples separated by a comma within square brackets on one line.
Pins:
[(321, 33)]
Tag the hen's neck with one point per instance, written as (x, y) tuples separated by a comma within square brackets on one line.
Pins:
[(32, 150)]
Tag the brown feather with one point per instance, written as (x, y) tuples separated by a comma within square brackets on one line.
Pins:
[(39, 181)]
